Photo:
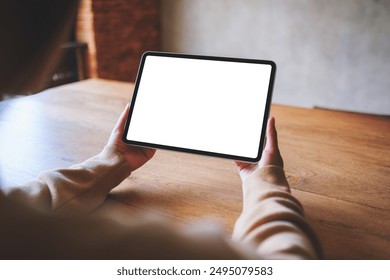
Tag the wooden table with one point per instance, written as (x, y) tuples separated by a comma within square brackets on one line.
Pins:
[(337, 163)]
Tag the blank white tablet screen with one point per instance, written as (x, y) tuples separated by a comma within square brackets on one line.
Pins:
[(205, 105)]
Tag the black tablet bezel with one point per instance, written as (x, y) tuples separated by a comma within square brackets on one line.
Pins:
[(200, 152)]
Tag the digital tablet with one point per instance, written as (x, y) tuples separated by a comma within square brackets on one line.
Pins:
[(215, 106)]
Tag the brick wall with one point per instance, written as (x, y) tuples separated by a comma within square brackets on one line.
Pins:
[(118, 32), (85, 33)]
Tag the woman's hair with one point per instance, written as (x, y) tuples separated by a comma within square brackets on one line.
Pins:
[(32, 32)]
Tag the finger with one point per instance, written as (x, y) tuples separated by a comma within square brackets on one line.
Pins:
[(242, 165), (272, 138), (149, 152), (122, 118), (274, 133), (271, 151)]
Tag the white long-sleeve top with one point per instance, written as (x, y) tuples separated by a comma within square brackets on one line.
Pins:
[(45, 219)]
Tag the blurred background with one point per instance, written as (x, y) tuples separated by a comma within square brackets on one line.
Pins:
[(330, 53)]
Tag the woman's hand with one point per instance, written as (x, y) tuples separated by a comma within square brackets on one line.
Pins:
[(135, 156), (271, 154)]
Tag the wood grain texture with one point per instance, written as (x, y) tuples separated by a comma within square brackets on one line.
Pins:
[(337, 164)]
